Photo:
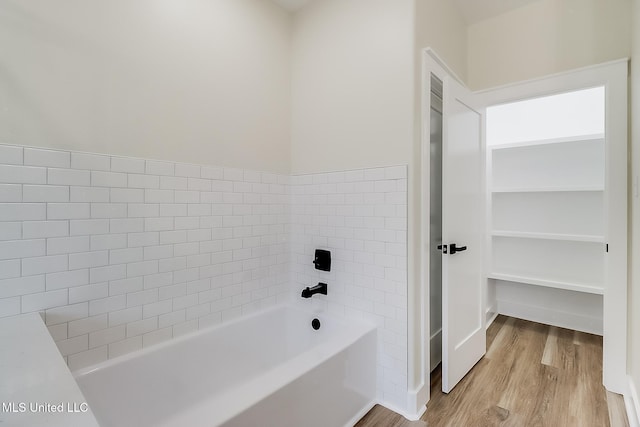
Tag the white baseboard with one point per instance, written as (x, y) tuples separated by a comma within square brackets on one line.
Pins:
[(632, 404), (561, 319), (417, 402), (412, 413)]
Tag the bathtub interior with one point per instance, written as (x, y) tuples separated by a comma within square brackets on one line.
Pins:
[(251, 356), (176, 375)]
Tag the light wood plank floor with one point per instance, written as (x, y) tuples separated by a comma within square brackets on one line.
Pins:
[(532, 375)]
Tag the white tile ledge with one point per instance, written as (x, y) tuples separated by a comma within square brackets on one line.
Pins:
[(34, 372)]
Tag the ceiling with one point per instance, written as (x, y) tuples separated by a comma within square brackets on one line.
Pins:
[(472, 10)]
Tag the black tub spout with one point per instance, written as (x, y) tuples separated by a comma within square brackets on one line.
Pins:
[(320, 288)]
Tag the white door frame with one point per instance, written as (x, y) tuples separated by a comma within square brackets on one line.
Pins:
[(613, 75)]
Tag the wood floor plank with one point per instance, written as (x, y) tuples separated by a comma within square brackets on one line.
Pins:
[(590, 403), (577, 337), (532, 375), (494, 329), (525, 373), (503, 337), (566, 351), (550, 346), (617, 411)]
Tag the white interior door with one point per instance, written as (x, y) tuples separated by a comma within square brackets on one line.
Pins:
[(463, 320)]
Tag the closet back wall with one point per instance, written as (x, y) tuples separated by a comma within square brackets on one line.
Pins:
[(202, 81)]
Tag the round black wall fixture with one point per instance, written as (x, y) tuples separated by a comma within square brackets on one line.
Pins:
[(315, 324)]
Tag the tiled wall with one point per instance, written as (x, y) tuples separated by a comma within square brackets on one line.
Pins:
[(120, 253), (361, 216)]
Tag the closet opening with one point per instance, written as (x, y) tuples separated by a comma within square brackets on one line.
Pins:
[(546, 161)]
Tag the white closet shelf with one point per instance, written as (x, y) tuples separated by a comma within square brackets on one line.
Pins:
[(579, 138), (546, 189), (548, 283), (549, 236)]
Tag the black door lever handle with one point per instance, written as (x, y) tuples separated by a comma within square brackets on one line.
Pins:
[(453, 248)]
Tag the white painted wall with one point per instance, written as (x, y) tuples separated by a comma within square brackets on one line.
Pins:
[(352, 84), (440, 26), (634, 291), (203, 81), (547, 37)]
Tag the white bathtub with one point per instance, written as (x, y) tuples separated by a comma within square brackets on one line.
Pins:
[(268, 369)]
